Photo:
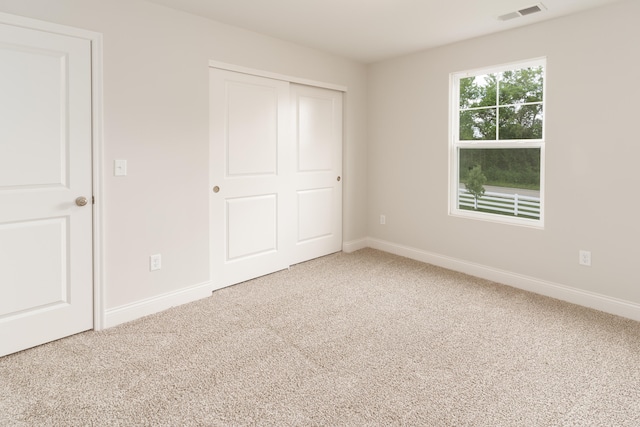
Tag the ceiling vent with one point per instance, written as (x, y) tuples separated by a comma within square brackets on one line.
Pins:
[(522, 12)]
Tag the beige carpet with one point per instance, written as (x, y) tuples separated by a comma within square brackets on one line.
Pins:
[(362, 339)]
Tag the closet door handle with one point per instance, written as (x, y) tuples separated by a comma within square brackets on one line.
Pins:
[(216, 189)]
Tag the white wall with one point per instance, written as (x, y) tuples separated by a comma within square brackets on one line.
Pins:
[(155, 113), (592, 154), (156, 117)]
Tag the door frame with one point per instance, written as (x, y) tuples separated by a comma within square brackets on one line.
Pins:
[(96, 145), (275, 76)]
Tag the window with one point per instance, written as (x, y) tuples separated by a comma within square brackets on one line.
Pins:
[(497, 143)]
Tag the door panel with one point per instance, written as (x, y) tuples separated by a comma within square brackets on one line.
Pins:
[(25, 287), (315, 210), (35, 78), (252, 150), (251, 211), (252, 226), (46, 284), (317, 130)]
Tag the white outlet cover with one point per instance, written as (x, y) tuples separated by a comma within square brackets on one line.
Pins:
[(155, 262), (584, 258)]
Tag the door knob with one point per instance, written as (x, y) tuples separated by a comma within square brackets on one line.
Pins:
[(81, 201), (339, 179), (216, 189)]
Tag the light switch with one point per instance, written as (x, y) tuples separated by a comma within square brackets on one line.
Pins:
[(120, 167)]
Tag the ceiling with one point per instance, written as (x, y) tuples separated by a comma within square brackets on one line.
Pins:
[(374, 30)]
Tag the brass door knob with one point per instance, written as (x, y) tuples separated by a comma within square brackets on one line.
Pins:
[(216, 189), (81, 201)]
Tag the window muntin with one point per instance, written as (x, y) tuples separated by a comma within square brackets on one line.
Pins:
[(498, 125)]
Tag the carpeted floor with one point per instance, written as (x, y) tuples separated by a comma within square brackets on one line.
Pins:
[(362, 339)]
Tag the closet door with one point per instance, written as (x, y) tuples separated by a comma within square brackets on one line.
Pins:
[(251, 200), (317, 171)]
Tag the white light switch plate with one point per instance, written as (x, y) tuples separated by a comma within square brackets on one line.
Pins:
[(119, 167)]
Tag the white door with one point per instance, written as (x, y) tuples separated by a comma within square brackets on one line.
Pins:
[(45, 164), (317, 171), (250, 190)]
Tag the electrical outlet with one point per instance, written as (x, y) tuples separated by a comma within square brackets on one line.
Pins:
[(155, 262), (383, 220), (584, 258)]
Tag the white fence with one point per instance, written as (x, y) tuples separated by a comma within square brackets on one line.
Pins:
[(507, 204)]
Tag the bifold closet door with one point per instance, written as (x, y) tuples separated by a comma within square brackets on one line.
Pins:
[(276, 164), (251, 203)]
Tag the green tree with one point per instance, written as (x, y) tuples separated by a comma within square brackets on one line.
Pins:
[(517, 94), (479, 94), (475, 183)]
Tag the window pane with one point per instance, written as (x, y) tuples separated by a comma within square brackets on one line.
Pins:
[(478, 91), (478, 124), (521, 122), (503, 181), (520, 86), (509, 167)]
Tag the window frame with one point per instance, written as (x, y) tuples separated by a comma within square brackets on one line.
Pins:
[(455, 144)]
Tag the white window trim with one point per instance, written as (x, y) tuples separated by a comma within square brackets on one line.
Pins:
[(455, 144)]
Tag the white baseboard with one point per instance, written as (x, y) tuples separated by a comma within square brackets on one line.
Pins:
[(138, 309), (354, 245), (593, 300), (619, 307)]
